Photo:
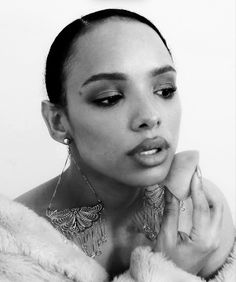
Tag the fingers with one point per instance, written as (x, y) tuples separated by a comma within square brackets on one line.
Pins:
[(183, 237), (216, 205), (201, 210), (169, 226), (207, 214), (217, 217)]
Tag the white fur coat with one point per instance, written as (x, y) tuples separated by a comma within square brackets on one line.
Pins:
[(31, 250)]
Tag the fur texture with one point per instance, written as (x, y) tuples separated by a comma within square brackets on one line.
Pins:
[(32, 250)]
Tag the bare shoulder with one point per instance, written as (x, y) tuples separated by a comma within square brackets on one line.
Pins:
[(39, 197)]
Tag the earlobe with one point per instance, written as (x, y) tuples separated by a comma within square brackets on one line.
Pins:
[(54, 118)]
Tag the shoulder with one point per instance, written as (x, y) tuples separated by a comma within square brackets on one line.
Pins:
[(39, 197)]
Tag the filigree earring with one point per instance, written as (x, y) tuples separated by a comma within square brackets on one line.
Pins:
[(85, 226), (148, 218)]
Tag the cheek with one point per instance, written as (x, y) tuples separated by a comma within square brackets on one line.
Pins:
[(173, 120), (97, 138)]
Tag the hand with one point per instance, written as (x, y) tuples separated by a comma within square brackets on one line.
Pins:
[(190, 252)]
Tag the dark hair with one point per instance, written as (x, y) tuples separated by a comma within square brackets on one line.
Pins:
[(61, 49)]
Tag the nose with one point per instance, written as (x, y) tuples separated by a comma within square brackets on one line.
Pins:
[(146, 115)]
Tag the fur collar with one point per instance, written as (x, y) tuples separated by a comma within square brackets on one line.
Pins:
[(32, 250)]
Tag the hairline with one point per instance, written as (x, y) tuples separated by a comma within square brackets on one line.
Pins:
[(89, 27)]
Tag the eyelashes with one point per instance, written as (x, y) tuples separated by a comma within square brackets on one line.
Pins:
[(116, 97), (108, 98), (108, 101), (166, 93)]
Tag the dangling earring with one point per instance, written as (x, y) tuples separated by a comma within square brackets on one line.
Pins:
[(85, 226)]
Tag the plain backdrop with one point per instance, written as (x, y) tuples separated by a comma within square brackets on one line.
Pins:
[(201, 35)]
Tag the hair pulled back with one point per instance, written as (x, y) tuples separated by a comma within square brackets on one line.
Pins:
[(62, 48)]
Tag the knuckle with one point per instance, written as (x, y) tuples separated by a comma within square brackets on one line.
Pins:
[(215, 244), (209, 245), (205, 247)]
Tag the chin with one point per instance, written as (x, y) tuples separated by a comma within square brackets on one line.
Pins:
[(148, 177)]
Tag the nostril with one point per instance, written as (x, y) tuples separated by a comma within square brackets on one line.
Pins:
[(143, 125), (149, 124)]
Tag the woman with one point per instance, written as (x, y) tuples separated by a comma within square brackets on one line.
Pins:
[(124, 199)]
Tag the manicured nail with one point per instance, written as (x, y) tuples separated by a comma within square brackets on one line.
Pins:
[(199, 173)]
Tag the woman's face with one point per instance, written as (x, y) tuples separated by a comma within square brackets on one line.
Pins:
[(121, 93)]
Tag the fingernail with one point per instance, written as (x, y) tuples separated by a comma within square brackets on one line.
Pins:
[(199, 173)]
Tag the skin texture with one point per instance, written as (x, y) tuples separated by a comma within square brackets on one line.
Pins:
[(102, 136), (111, 132)]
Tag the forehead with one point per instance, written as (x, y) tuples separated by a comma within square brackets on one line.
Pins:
[(117, 45)]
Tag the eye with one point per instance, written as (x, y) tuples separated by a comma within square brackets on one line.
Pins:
[(108, 101), (166, 93)]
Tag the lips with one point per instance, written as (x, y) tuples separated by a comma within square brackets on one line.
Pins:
[(151, 152), (150, 146)]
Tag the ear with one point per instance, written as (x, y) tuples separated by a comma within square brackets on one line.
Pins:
[(56, 121)]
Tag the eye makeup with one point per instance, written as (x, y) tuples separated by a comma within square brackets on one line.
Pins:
[(109, 93)]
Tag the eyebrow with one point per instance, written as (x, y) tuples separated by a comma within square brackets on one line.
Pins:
[(161, 70), (122, 76), (105, 76)]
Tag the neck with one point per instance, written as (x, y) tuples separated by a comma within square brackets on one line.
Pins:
[(116, 196)]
